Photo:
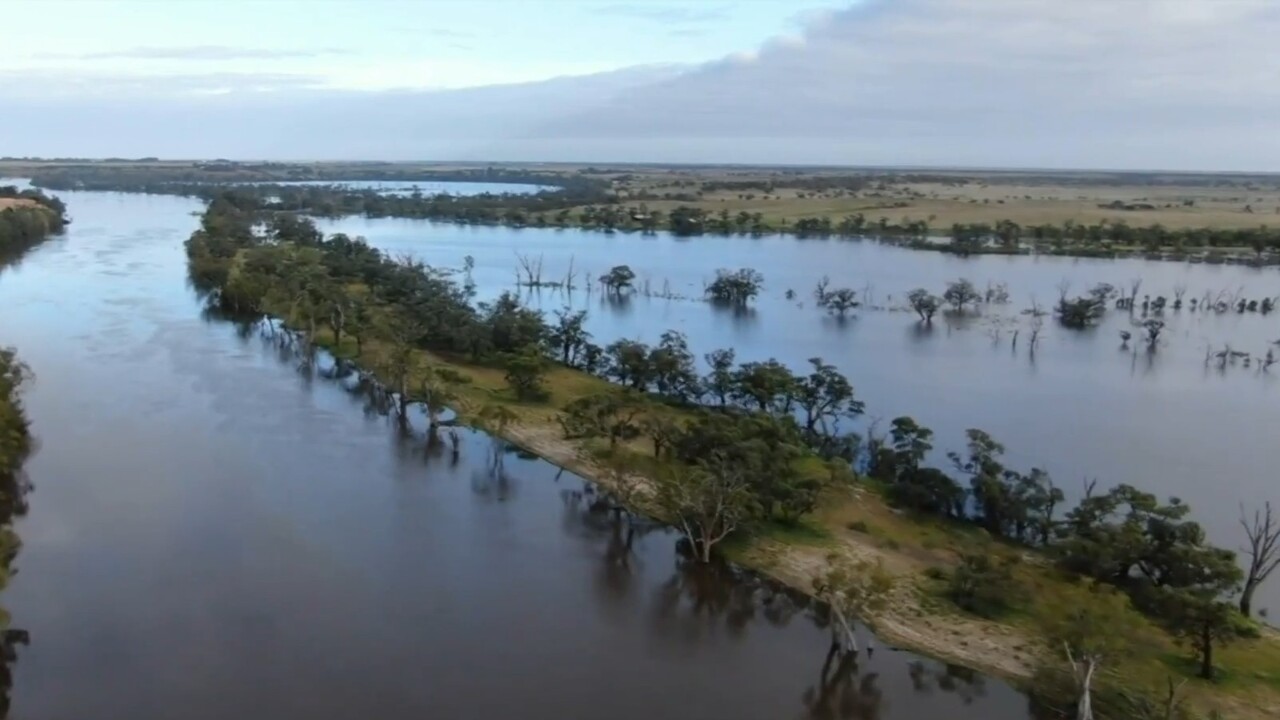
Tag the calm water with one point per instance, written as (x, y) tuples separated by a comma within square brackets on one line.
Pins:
[(1081, 408), (214, 534)]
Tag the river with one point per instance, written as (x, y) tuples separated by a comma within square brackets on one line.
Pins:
[(214, 534)]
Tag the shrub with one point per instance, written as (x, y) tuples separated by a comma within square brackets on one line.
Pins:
[(985, 586)]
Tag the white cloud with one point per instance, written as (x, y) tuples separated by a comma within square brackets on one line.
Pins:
[(1160, 83)]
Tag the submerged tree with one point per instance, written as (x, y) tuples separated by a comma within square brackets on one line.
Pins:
[(495, 419), (924, 303), (736, 287), (404, 330), (436, 392), (840, 301), (618, 279), (1153, 328), (961, 293), (1080, 312)]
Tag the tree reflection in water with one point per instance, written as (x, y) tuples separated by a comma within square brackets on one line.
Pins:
[(842, 692), (701, 599), (596, 515), (493, 481), (966, 684)]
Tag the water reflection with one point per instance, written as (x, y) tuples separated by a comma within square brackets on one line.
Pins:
[(843, 692), (964, 683)]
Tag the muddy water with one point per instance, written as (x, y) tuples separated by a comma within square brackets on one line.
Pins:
[(214, 534)]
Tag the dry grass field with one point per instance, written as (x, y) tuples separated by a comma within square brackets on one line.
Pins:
[(1175, 201), (6, 203)]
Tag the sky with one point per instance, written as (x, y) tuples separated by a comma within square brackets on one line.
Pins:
[(1145, 84), (378, 44)]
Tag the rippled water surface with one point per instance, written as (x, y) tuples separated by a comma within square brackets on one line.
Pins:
[(215, 535)]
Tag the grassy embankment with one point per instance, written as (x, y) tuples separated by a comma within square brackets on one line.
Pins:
[(854, 521)]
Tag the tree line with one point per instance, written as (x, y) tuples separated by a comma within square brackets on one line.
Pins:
[(1106, 237)]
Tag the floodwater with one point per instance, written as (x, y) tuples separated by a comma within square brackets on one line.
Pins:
[(1083, 407), (215, 534)]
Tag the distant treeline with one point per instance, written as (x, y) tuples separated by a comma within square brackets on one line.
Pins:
[(1104, 237)]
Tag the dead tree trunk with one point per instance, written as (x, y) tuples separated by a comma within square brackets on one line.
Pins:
[(842, 634), (1083, 671)]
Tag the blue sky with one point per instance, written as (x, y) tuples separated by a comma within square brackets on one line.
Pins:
[(384, 44)]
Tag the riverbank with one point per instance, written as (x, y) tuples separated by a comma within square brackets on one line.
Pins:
[(856, 522)]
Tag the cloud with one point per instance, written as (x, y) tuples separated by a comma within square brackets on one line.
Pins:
[(200, 52), (1152, 83), (665, 14), (449, 33), (188, 116)]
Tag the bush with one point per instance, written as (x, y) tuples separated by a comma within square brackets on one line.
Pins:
[(860, 526), (985, 586), (525, 372), (453, 377), (1053, 696), (935, 573)]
